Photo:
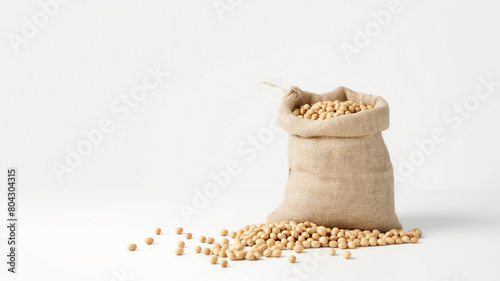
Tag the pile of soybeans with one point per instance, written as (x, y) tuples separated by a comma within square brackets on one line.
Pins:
[(328, 109), (253, 242)]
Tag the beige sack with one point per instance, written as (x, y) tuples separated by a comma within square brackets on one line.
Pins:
[(340, 173)]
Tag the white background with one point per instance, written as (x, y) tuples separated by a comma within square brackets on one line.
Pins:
[(429, 58)]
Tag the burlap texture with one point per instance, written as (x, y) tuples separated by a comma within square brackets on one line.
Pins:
[(340, 172)]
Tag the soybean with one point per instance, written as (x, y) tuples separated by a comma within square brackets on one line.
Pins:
[(131, 247), (197, 249), (213, 259), (249, 256), (347, 255), (298, 248), (240, 255)]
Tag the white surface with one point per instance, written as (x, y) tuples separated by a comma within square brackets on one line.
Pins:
[(457, 245), (65, 79)]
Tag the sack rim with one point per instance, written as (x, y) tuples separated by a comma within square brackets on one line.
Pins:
[(362, 123)]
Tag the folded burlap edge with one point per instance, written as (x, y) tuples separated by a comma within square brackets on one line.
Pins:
[(363, 123)]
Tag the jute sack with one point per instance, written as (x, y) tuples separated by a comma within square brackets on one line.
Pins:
[(340, 173)]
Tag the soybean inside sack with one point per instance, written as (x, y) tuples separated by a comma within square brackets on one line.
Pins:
[(340, 172)]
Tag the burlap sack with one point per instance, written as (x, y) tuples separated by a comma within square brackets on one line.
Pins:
[(340, 173)]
